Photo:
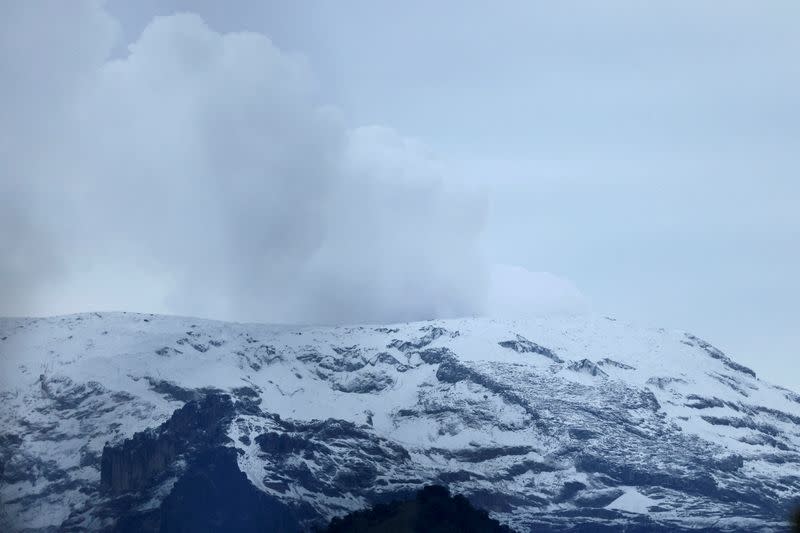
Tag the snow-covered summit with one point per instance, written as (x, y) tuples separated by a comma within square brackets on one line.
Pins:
[(548, 422)]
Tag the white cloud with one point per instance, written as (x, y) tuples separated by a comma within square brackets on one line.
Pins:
[(198, 174), (515, 292), (202, 159)]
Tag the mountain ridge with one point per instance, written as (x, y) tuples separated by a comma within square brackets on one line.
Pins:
[(547, 423)]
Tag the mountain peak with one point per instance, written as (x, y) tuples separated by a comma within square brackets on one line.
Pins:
[(552, 422)]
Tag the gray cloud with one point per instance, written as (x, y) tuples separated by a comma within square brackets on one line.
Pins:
[(198, 174), (42, 69), (651, 148), (649, 152)]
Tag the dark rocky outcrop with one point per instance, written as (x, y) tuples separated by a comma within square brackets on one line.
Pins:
[(478, 455), (586, 366), (213, 495), (781, 416), (738, 422), (451, 371), (208, 492), (9, 443), (569, 491), (731, 382), (582, 434), (759, 439), (435, 356), (166, 351), (628, 474), (700, 402), (283, 443), (345, 457), (432, 333), (297, 437), (616, 364), (524, 467), (716, 353), (75, 400), (364, 383), (174, 392), (257, 357), (664, 382), (199, 424), (386, 359), (523, 345)]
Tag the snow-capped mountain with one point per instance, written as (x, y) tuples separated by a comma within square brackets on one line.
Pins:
[(583, 423)]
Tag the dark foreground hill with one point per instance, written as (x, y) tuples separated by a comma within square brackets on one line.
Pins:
[(432, 510)]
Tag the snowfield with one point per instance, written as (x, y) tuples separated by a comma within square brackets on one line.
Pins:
[(547, 423)]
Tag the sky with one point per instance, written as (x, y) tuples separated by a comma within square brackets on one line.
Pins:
[(359, 161)]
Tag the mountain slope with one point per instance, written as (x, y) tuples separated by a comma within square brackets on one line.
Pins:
[(550, 423)]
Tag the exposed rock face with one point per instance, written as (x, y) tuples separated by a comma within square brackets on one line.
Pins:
[(616, 364), (198, 424), (189, 455), (717, 354), (132, 465), (523, 345), (596, 426), (432, 333), (213, 495), (587, 367)]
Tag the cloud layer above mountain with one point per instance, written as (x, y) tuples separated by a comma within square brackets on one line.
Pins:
[(197, 173)]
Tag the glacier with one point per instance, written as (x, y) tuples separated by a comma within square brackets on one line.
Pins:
[(563, 423)]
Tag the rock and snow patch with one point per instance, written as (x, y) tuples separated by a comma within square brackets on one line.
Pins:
[(561, 421), (632, 501)]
